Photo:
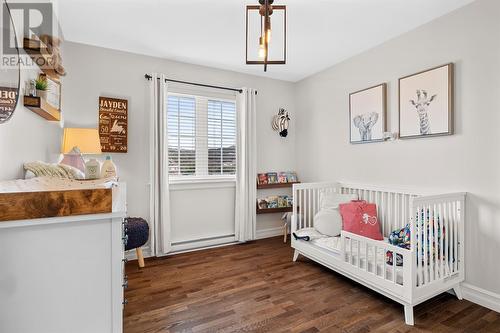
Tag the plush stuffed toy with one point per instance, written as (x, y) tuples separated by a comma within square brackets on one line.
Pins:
[(53, 49)]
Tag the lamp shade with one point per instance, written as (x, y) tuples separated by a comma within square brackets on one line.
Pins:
[(86, 139)]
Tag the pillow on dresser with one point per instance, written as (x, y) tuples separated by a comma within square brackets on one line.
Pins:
[(328, 220)]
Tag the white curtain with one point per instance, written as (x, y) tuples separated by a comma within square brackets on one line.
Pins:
[(246, 150), (159, 191)]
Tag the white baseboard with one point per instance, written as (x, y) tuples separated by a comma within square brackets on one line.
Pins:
[(202, 243), (482, 297), (146, 252), (270, 232), (186, 247)]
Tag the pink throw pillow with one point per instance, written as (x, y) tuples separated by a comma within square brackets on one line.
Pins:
[(360, 218)]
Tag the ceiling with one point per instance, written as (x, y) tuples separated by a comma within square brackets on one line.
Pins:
[(321, 33)]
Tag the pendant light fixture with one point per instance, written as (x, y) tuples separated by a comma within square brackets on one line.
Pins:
[(259, 17)]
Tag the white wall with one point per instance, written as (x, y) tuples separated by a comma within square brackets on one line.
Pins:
[(27, 137), (467, 161), (94, 72)]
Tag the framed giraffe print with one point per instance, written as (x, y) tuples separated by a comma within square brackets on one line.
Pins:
[(426, 103)]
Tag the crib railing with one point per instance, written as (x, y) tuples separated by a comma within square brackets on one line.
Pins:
[(371, 256), (306, 202), (437, 236), (393, 206)]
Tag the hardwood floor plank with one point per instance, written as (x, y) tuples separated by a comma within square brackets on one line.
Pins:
[(255, 287)]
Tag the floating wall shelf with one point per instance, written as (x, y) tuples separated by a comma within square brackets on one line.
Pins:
[(42, 108), (274, 210), (278, 185), (36, 50)]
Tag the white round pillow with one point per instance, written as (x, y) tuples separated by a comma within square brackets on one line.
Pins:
[(328, 222)]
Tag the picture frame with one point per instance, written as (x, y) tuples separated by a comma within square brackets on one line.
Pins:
[(53, 93), (368, 114), (426, 103)]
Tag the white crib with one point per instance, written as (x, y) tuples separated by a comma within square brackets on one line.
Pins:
[(422, 275)]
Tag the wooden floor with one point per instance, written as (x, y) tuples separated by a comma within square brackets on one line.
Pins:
[(257, 288)]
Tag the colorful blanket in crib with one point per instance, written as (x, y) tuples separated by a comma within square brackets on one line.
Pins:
[(402, 238)]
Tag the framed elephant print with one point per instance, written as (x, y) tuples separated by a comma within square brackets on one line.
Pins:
[(367, 114), (426, 103)]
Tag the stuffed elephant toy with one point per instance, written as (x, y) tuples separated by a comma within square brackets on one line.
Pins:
[(365, 123)]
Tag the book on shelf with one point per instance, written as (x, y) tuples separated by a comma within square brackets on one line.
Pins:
[(282, 177), (282, 201), (275, 201), (262, 203), (272, 178), (262, 178), (272, 201), (292, 177)]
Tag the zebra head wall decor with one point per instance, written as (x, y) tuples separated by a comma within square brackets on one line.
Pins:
[(280, 122), (421, 104), (365, 123)]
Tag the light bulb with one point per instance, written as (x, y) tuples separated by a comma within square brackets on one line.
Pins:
[(262, 48), (262, 51), (268, 35)]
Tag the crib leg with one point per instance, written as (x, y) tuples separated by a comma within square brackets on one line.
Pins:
[(458, 292), (285, 232), (409, 315), (295, 255)]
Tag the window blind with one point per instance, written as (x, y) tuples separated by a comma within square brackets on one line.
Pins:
[(201, 136), (221, 137)]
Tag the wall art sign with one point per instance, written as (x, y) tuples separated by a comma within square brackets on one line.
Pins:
[(367, 114), (8, 100), (426, 103), (54, 93), (113, 129)]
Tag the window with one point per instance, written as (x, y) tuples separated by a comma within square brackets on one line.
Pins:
[(221, 138), (181, 123), (201, 136)]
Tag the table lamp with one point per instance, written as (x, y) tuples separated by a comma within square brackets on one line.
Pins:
[(78, 141)]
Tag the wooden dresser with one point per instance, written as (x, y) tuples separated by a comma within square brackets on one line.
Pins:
[(61, 259)]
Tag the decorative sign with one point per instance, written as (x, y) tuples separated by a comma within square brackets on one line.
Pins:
[(8, 98), (113, 131), (53, 93)]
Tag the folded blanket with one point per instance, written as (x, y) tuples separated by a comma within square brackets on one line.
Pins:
[(40, 169)]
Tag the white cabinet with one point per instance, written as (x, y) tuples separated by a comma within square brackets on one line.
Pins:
[(62, 274)]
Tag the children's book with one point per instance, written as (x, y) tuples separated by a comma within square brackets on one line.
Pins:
[(292, 177), (272, 201), (289, 201), (282, 201), (282, 177), (262, 178), (272, 178), (262, 203)]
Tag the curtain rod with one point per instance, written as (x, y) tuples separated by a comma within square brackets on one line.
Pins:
[(149, 77)]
